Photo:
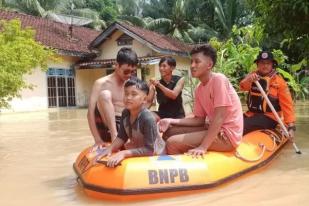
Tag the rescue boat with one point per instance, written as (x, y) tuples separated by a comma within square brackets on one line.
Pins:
[(141, 178)]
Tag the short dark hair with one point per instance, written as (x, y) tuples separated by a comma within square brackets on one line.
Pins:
[(127, 56), (138, 83), (207, 50), (169, 60)]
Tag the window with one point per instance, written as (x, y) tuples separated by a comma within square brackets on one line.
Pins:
[(124, 40), (60, 87)]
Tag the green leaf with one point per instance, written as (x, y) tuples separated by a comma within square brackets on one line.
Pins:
[(19, 55)]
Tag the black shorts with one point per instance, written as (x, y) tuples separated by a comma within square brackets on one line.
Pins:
[(258, 121), (102, 128)]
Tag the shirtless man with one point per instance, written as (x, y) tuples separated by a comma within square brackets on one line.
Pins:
[(106, 99)]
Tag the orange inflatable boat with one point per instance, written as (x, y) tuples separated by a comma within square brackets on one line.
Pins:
[(169, 175)]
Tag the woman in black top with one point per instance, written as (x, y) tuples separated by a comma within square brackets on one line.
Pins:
[(168, 90)]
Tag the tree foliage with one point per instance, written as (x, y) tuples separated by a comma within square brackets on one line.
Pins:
[(19, 55), (286, 25), (192, 21), (236, 59), (47, 8)]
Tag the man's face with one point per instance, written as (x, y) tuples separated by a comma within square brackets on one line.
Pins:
[(125, 71), (200, 64), (165, 69), (264, 66), (133, 98)]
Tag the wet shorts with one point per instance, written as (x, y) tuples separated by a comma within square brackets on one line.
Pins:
[(102, 128)]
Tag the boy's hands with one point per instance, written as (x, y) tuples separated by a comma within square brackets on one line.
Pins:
[(154, 82), (164, 124), (105, 152), (114, 160)]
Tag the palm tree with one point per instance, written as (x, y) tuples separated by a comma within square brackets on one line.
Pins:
[(217, 17), (34, 7), (174, 23), (190, 20), (228, 13), (129, 7)]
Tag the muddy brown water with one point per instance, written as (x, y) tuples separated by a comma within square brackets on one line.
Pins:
[(37, 151)]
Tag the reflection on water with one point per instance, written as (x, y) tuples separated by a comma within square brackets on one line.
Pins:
[(37, 151)]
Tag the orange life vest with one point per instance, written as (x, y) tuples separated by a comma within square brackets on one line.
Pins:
[(256, 102)]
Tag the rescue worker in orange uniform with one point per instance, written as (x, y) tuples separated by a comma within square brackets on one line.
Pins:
[(259, 115)]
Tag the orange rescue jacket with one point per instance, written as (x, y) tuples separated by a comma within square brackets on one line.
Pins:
[(277, 88)]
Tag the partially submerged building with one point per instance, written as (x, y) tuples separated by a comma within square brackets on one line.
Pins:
[(86, 55)]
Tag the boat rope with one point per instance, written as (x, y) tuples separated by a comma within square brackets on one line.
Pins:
[(274, 144), (237, 154), (275, 139)]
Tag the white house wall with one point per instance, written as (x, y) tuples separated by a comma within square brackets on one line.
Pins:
[(110, 47), (84, 82), (31, 100), (36, 99)]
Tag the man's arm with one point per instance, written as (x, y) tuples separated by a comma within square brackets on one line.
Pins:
[(245, 84), (214, 127), (116, 158), (116, 144), (190, 121), (172, 94), (287, 107), (164, 124), (150, 96), (286, 102), (91, 112), (213, 131)]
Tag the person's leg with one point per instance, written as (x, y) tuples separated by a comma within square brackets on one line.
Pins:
[(107, 111), (258, 121), (221, 144), (178, 144), (181, 143), (175, 130), (101, 127)]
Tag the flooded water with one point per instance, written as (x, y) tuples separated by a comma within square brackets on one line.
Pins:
[(37, 151)]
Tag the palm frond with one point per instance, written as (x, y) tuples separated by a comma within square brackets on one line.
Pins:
[(135, 20), (220, 13)]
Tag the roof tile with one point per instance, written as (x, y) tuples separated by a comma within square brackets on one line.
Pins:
[(53, 34), (159, 40)]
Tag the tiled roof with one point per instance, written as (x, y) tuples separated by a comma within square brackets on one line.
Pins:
[(160, 42), (55, 35)]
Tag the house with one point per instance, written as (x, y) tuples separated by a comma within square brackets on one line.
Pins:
[(87, 55)]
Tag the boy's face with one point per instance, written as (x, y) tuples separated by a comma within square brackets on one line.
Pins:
[(133, 98), (200, 64), (125, 71)]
